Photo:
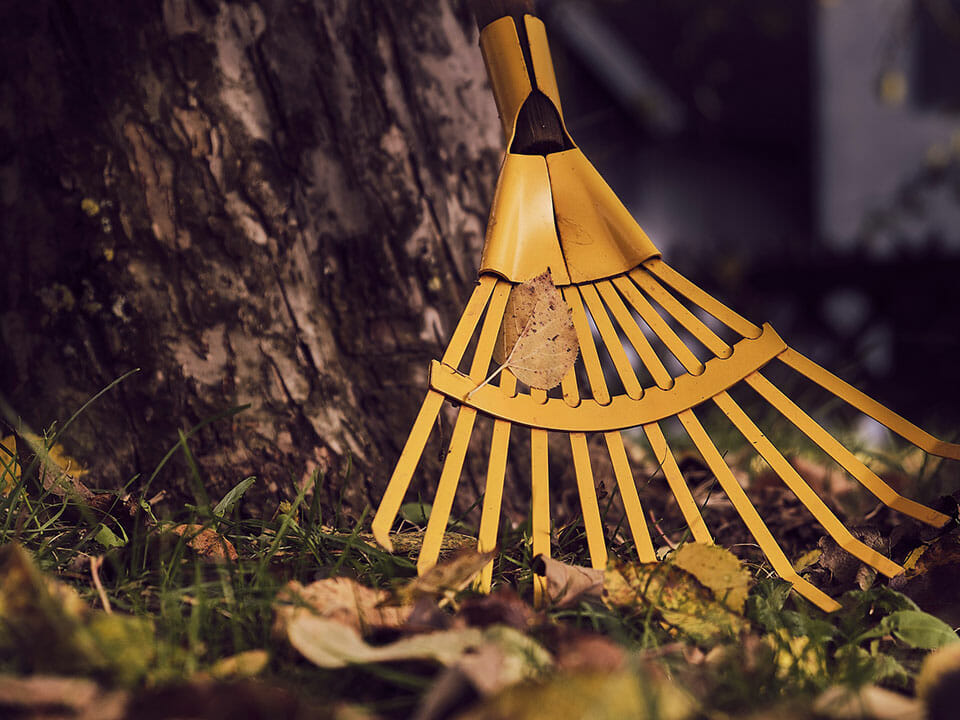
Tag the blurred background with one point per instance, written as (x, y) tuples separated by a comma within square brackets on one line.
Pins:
[(799, 159)]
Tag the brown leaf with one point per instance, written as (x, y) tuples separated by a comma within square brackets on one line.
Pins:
[(206, 542), (568, 584), (340, 599), (537, 342), (52, 696), (445, 579)]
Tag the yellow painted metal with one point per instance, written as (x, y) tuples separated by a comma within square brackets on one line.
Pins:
[(588, 500), (539, 504), (588, 349), (542, 60), (651, 361), (660, 328), (612, 342), (868, 406), (406, 465), (507, 70), (598, 234), (702, 299), (631, 499), (748, 513), (681, 314), (493, 497), (522, 237), (620, 412), (556, 212), (847, 460), (417, 440), (801, 489), (678, 486), (453, 463)]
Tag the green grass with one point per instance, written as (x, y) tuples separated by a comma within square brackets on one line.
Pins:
[(203, 612)]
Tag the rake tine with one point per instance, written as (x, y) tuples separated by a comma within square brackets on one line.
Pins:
[(701, 298), (571, 394), (493, 491), (417, 440), (847, 460), (685, 501), (453, 463), (659, 326), (694, 325), (406, 465), (746, 510), (539, 505), (588, 500), (612, 342), (868, 406), (631, 500), (588, 349), (648, 356), (836, 529)]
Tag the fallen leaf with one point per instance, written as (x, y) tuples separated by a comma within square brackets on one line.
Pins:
[(568, 584), (47, 627), (583, 696), (207, 542), (869, 702), (717, 569), (48, 696), (445, 579), (933, 581), (538, 341), (330, 644), (938, 681), (501, 607), (590, 652), (505, 658), (242, 665), (339, 599), (680, 599)]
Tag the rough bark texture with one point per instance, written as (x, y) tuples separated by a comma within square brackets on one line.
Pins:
[(278, 203)]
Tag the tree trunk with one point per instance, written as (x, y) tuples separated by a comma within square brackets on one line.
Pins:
[(278, 203)]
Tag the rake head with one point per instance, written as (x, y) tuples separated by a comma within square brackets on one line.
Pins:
[(653, 346)]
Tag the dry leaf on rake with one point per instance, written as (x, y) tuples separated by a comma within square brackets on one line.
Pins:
[(537, 342)]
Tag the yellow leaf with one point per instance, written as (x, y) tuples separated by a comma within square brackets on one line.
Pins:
[(537, 341), (717, 569), (447, 578)]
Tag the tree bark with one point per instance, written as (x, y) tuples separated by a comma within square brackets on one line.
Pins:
[(275, 203)]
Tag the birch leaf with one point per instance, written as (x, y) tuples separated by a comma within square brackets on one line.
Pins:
[(537, 342)]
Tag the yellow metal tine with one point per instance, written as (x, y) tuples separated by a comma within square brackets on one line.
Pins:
[(446, 489), (469, 320), (648, 356), (698, 296), (539, 395), (694, 325), (631, 500), (868, 406), (540, 505), (659, 326), (571, 394), (588, 500), (835, 449), (612, 342), (801, 489), (685, 501), (588, 349), (453, 464), (746, 510), (406, 465), (488, 334), (493, 497), (508, 383)]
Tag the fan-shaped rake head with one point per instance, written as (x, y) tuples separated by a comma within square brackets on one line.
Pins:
[(653, 346)]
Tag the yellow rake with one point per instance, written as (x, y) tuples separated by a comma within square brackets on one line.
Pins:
[(552, 210)]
